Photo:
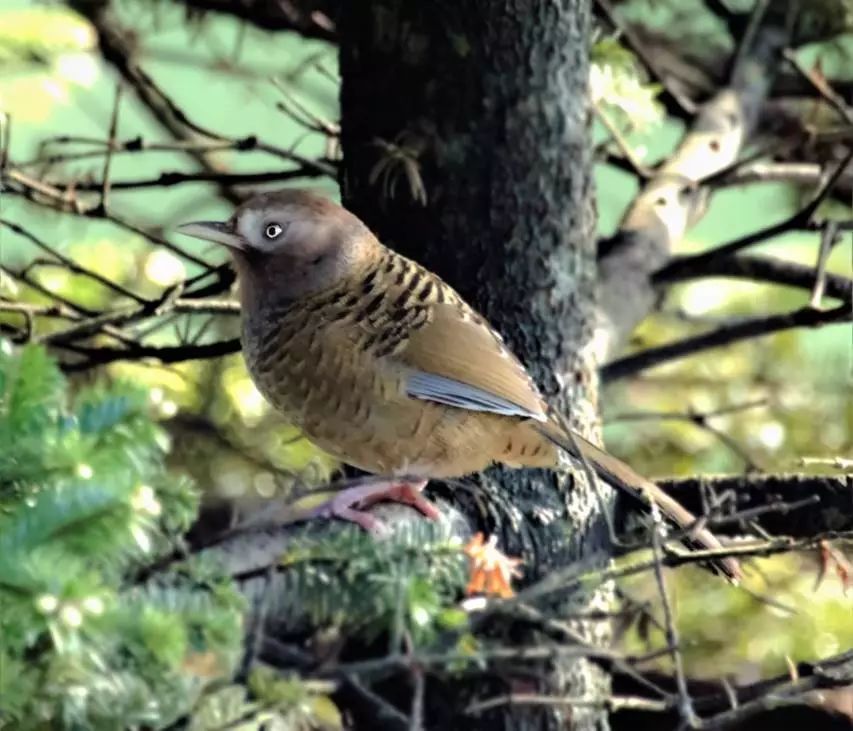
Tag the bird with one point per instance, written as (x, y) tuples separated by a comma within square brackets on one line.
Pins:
[(384, 366)]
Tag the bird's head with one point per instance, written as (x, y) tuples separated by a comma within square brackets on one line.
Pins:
[(290, 243)]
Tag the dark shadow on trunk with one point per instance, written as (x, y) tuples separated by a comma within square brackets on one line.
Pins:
[(465, 138)]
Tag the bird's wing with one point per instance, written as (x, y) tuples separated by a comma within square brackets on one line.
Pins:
[(458, 360)]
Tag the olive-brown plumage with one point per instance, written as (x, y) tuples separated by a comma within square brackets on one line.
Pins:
[(383, 365)]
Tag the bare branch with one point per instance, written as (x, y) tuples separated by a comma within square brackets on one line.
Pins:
[(67, 202), (611, 704), (118, 317), (309, 18), (118, 49), (634, 164), (674, 199), (827, 241), (821, 86), (702, 421), (832, 510), (794, 172), (105, 175), (170, 178), (738, 706), (759, 269), (685, 704), (746, 329), (96, 356), (71, 265), (802, 219)]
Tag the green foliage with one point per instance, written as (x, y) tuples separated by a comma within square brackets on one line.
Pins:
[(617, 83), (405, 584), (40, 32), (729, 631), (85, 502), (282, 703), (75, 523)]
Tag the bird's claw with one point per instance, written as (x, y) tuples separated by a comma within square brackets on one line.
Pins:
[(349, 503)]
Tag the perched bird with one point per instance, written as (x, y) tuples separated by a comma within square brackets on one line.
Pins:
[(384, 366)]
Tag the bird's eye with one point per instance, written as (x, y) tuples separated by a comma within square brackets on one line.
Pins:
[(273, 230)]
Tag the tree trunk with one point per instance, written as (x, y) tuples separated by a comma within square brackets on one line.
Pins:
[(465, 139)]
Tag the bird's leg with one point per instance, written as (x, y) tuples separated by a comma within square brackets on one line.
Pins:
[(349, 503), (407, 493)]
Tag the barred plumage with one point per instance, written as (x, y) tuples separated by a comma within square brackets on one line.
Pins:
[(308, 357), (383, 365)]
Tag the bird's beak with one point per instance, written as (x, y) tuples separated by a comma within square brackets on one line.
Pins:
[(219, 233)]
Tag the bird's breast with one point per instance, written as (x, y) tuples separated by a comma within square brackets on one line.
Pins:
[(335, 367), (325, 377)]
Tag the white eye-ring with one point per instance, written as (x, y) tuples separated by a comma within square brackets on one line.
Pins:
[(273, 231)]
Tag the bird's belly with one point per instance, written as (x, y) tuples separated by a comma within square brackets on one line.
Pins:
[(368, 422), (357, 410), (416, 438), (350, 409), (400, 436), (419, 439)]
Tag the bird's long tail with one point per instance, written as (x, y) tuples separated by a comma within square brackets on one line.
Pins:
[(617, 473)]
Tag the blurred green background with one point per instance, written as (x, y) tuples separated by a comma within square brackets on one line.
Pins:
[(53, 82)]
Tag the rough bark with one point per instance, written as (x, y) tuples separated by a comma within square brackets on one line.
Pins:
[(489, 100)]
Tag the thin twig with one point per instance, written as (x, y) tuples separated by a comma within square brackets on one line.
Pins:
[(563, 631), (562, 581), (72, 265), (700, 419), (636, 166), (827, 240), (304, 116), (611, 704), (689, 415), (137, 145), (798, 173), (685, 705), (840, 463), (801, 219), (746, 329), (165, 305), (54, 310), (105, 175), (820, 85), (416, 714), (169, 178), (759, 268), (66, 202), (5, 141)]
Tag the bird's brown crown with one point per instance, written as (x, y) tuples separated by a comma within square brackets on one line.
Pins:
[(298, 243)]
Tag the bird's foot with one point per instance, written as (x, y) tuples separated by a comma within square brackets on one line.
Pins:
[(349, 503)]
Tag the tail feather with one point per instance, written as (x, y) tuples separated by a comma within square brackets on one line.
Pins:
[(617, 473)]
